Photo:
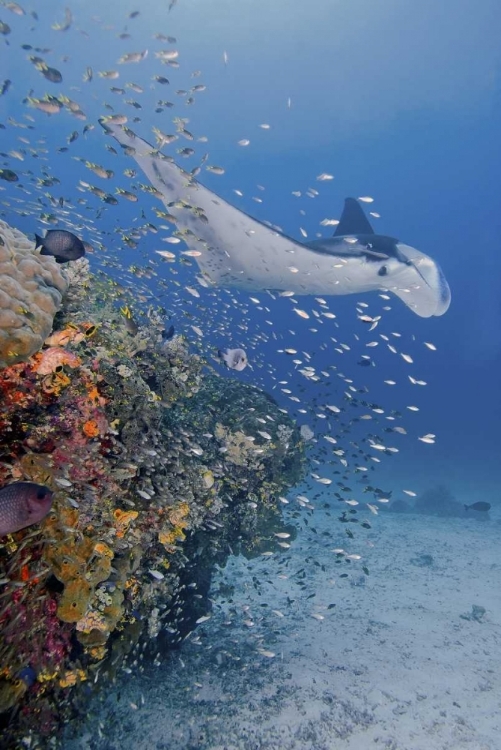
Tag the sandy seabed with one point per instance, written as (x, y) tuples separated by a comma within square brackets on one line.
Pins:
[(397, 662)]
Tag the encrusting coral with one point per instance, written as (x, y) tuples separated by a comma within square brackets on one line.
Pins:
[(31, 291), (129, 434)]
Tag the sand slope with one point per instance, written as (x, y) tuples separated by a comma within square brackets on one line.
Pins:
[(392, 665)]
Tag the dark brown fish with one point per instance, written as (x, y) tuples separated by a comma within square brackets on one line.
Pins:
[(131, 326), (478, 506), (51, 74), (9, 175), (23, 504), (169, 333), (61, 244)]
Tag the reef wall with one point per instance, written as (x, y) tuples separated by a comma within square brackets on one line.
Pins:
[(160, 469)]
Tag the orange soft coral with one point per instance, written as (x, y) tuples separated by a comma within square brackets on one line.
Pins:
[(94, 396), (90, 428), (123, 518)]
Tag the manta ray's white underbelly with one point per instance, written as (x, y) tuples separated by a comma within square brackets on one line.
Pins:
[(234, 249), (250, 265)]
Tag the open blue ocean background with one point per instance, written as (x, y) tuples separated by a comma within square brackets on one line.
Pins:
[(398, 101)]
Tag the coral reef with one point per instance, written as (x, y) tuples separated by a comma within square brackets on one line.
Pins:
[(160, 469), (31, 290), (439, 501), (400, 506)]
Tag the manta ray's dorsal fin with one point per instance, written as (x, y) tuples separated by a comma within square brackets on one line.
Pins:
[(353, 220)]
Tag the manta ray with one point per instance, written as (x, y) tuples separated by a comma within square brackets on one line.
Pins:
[(234, 249)]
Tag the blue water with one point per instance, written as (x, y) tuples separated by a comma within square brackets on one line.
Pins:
[(400, 101)]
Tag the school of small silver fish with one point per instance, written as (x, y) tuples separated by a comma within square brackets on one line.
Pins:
[(48, 184)]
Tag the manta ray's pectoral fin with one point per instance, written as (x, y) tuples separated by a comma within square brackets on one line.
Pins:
[(234, 249), (421, 284), (353, 221)]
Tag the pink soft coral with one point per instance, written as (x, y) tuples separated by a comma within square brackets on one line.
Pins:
[(48, 360)]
